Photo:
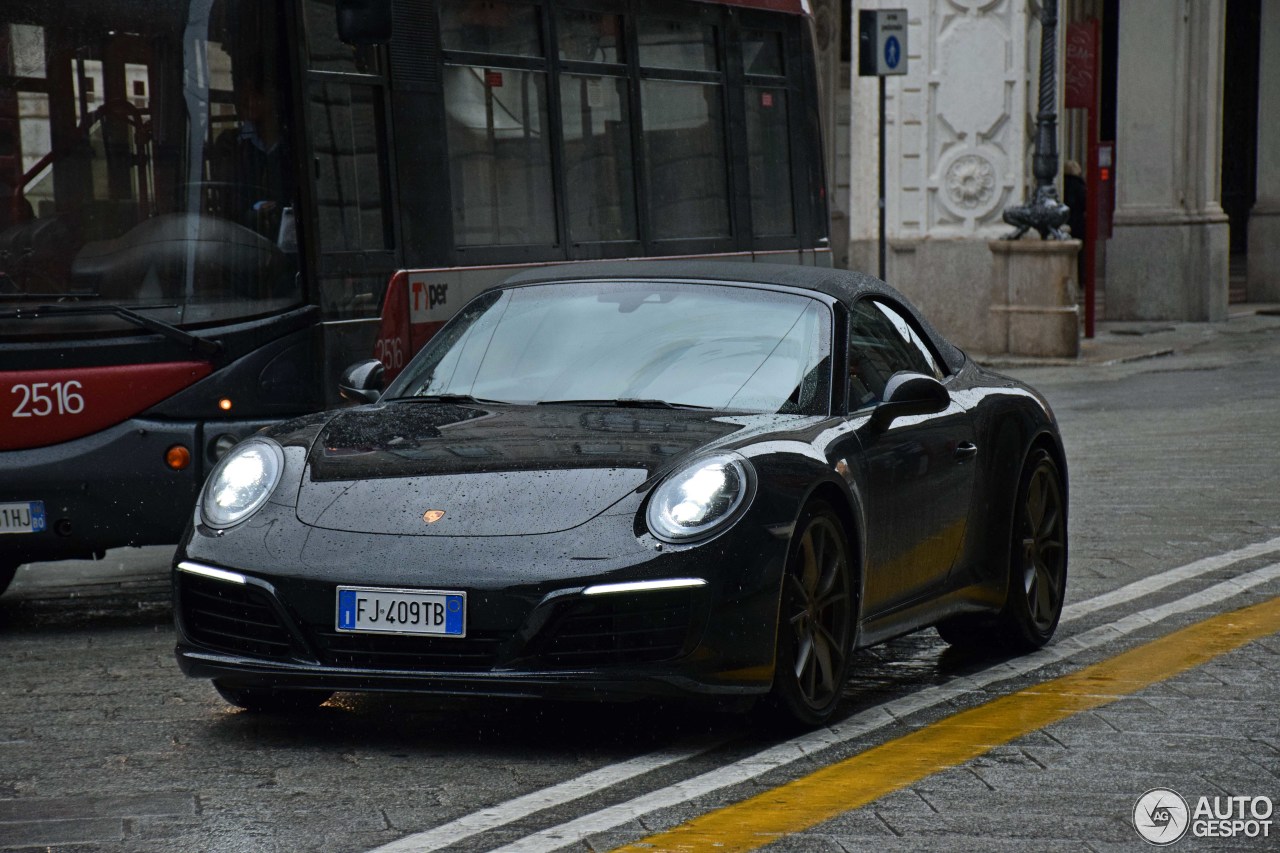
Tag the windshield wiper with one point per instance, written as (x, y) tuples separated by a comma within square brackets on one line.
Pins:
[(454, 398), (624, 403), (198, 345)]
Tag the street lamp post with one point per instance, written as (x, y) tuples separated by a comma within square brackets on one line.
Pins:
[(1044, 212)]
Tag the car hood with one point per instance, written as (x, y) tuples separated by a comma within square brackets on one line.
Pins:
[(493, 471)]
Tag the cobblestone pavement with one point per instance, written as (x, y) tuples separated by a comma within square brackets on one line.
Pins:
[(1174, 456)]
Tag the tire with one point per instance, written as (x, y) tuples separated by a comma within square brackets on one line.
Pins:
[(264, 700), (7, 571), (1037, 568), (815, 621)]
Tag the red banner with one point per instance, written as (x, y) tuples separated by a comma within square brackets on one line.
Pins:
[(1082, 65)]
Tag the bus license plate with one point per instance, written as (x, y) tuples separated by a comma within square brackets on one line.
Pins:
[(368, 610), (24, 517)]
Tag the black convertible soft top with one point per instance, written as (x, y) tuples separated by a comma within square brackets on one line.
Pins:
[(845, 285)]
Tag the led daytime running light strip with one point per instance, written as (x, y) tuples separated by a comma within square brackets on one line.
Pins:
[(643, 586), (211, 572)]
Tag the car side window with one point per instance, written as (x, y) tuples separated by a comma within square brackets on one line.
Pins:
[(926, 362), (881, 343)]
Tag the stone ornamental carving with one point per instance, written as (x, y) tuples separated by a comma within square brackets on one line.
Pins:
[(971, 182), (970, 110)]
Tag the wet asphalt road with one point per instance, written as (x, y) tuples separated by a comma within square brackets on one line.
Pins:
[(105, 746)]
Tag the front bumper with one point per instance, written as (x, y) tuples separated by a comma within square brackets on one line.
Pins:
[(531, 632), (622, 684)]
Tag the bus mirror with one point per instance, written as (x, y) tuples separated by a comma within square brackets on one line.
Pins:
[(364, 21)]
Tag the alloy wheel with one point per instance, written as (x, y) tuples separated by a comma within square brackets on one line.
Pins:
[(1042, 546), (817, 614)]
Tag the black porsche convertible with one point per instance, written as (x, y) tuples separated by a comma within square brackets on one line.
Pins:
[(624, 479)]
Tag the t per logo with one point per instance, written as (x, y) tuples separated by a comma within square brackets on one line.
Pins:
[(427, 300)]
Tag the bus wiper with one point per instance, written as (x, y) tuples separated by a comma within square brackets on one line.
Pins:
[(624, 403), (198, 345)]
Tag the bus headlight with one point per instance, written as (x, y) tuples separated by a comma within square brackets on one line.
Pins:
[(699, 499), (241, 482)]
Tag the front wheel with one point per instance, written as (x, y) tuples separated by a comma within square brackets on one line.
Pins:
[(266, 700), (815, 624)]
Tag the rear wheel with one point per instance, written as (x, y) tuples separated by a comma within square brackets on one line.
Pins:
[(266, 700), (1037, 567), (7, 571), (815, 625)]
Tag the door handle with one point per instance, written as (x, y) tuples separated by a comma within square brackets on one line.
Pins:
[(966, 451)]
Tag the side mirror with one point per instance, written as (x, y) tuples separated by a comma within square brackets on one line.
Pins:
[(909, 394), (362, 382), (364, 21)]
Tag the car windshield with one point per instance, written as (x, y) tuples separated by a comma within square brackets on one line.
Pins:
[(720, 347)]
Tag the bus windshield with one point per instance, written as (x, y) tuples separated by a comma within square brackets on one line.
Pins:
[(144, 164)]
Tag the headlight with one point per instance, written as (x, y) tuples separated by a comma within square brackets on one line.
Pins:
[(241, 482), (700, 498)]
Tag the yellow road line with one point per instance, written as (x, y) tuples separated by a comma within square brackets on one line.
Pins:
[(864, 778)]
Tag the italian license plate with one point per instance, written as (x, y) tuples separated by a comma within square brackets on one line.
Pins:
[(372, 610), (23, 517)]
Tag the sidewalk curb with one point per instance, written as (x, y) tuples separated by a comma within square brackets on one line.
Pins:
[(1125, 342)]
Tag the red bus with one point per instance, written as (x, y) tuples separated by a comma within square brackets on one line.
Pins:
[(208, 208)]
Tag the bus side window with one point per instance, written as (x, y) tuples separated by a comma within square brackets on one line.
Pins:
[(498, 123), (348, 145), (348, 166)]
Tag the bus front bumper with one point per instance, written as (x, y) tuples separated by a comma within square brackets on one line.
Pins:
[(109, 489)]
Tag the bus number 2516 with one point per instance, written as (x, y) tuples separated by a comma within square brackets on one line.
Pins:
[(40, 399), (390, 352)]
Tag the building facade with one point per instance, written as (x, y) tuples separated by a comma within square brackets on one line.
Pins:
[(958, 143)]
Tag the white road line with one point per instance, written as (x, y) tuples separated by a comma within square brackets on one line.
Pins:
[(871, 720), (1155, 583), (753, 766), (565, 792)]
